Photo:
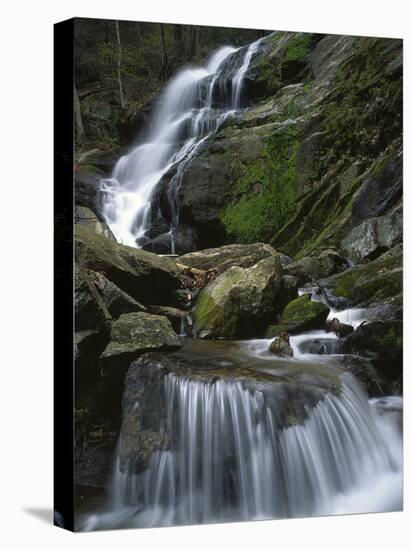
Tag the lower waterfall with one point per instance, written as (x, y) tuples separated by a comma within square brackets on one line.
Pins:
[(244, 451)]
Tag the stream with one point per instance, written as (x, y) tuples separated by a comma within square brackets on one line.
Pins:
[(249, 435)]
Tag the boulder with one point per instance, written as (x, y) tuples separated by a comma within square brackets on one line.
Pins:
[(300, 315), (281, 345), (84, 216), (318, 266), (240, 301), (115, 299), (90, 310), (176, 316), (224, 257), (367, 284), (341, 329), (362, 368), (374, 236), (134, 333), (144, 276), (382, 341)]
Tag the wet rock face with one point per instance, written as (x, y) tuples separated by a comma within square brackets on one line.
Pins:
[(300, 315), (87, 191), (144, 415), (363, 369), (240, 302), (382, 341)]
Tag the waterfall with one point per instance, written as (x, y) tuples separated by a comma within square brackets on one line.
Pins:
[(232, 455), (183, 120)]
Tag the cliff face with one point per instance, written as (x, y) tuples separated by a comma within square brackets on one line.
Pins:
[(316, 154)]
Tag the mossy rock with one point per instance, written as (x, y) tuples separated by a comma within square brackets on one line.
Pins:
[(370, 283), (300, 315), (240, 302)]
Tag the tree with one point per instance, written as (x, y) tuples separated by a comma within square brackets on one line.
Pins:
[(119, 63), (165, 65), (80, 132)]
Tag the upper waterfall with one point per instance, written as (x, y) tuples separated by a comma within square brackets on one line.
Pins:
[(183, 119)]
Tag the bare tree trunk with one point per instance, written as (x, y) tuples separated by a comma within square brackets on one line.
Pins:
[(179, 42), (80, 132), (122, 101), (164, 68)]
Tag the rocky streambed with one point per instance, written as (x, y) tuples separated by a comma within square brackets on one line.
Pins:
[(202, 381)]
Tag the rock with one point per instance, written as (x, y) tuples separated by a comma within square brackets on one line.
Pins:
[(90, 310), (144, 276), (341, 329), (184, 240), (374, 236), (319, 346), (381, 190), (362, 368), (176, 316), (290, 287), (143, 426), (383, 342), (134, 333), (87, 191), (115, 299), (84, 216), (300, 315), (311, 268), (240, 301), (369, 284), (224, 257), (281, 345)]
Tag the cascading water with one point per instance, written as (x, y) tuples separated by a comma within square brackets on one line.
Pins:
[(183, 121), (302, 441)]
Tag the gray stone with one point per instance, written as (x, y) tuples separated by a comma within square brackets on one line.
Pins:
[(134, 333)]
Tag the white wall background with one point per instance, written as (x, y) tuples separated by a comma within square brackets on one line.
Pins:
[(26, 272)]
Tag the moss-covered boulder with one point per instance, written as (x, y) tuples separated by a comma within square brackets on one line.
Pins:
[(300, 315), (134, 333), (367, 284), (281, 346), (222, 258), (240, 302), (145, 276)]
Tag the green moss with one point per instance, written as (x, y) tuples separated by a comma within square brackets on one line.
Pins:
[(373, 282), (264, 197), (366, 102), (299, 315), (297, 48)]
